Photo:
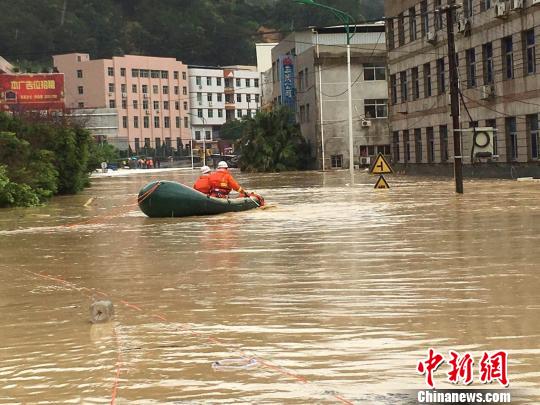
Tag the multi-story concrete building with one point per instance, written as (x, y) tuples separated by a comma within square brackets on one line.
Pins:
[(317, 89), (218, 95), (150, 96), (498, 77), (5, 66)]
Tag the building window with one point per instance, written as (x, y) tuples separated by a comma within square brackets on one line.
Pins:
[(110, 71), (308, 117), (197, 135), (376, 108), (393, 89), (443, 139), (430, 144), (134, 88), (124, 122), (248, 83), (424, 18), (404, 88), (146, 122), (374, 72), (468, 8), (124, 103), (209, 97), (512, 139), (165, 89), (336, 161), (438, 14), (239, 98), (395, 143), (485, 5), (415, 84), (401, 29), (154, 74), (441, 83), (218, 81), (532, 126), (530, 53), (111, 87), (144, 73), (208, 81), (493, 124), (256, 82), (199, 113), (210, 113), (80, 89), (177, 122), (156, 122), (487, 50), (166, 122), (145, 89), (508, 57), (123, 88), (146, 142), (134, 72), (239, 113), (168, 143), (390, 33), (112, 104), (198, 81), (219, 97), (79, 74), (165, 105), (185, 105), (137, 144), (407, 146), (238, 83), (220, 113), (123, 72), (145, 104), (175, 75), (155, 89), (157, 142), (81, 104), (164, 74), (470, 57), (183, 75), (156, 105), (135, 122), (208, 135), (186, 122), (412, 24), (184, 91), (418, 145), (135, 104), (176, 90)]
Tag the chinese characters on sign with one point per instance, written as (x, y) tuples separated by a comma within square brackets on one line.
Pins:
[(288, 89), (492, 367), (32, 92)]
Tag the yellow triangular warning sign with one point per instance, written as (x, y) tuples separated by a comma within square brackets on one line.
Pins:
[(381, 182), (381, 166)]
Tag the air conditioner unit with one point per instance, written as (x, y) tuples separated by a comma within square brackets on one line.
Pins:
[(500, 9), (482, 142), (200, 86), (147, 112), (124, 95), (210, 104), (432, 36), (487, 92), (366, 123), (463, 25), (145, 95), (199, 102), (365, 161), (516, 4), (156, 111)]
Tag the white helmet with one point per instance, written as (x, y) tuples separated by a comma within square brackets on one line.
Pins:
[(222, 165), (205, 169)]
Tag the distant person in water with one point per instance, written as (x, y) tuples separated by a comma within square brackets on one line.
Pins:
[(203, 182), (221, 182)]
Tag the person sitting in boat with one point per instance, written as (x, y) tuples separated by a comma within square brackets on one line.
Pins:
[(203, 182), (221, 182)]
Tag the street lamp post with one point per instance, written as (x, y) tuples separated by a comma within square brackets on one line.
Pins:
[(346, 20)]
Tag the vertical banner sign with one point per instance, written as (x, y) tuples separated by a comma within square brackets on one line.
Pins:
[(288, 89), (32, 92)]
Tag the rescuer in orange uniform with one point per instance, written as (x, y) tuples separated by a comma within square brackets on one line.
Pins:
[(203, 182), (221, 182)]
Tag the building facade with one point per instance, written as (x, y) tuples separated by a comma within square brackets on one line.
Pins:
[(218, 95), (150, 97), (498, 78), (5, 66), (317, 90)]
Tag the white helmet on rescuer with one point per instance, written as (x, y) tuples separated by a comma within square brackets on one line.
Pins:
[(205, 169), (222, 165)]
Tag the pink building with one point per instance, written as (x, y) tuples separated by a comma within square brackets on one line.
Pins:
[(150, 95)]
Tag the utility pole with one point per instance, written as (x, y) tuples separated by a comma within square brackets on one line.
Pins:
[(454, 97)]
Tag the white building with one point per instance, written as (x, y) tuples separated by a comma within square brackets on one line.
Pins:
[(218, 95)]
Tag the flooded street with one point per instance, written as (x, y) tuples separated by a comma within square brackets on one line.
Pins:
[(337, 292)]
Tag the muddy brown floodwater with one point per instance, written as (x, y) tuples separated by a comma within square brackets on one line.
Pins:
[(336, 292)]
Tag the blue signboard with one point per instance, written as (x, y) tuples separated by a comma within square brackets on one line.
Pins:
[(288, 88)]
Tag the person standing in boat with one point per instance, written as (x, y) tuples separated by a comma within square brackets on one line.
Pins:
[(203, 182), (221, 182)]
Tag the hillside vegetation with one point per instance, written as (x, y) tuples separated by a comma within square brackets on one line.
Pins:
[(206, 32)]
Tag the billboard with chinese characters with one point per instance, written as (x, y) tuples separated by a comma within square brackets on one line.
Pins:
[(288, 88), (32, 92)]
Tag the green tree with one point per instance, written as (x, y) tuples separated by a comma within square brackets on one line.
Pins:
[(272, 142)]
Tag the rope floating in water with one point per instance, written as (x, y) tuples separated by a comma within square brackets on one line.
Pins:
[(234, 364)]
